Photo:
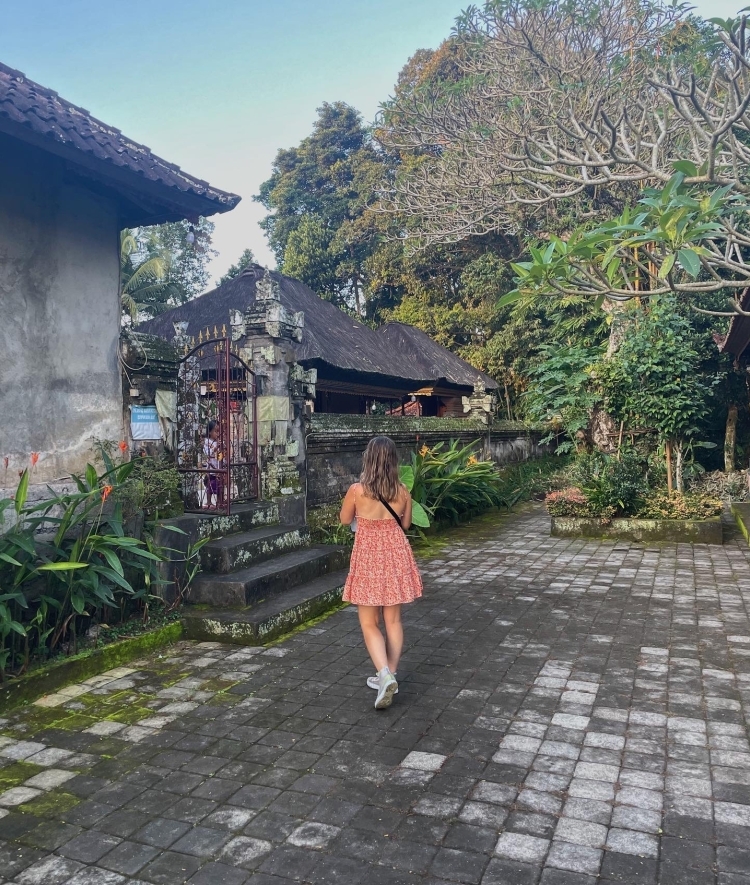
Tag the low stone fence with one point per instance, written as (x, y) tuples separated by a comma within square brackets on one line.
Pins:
[(335, 444)]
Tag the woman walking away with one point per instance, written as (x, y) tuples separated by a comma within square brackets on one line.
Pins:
[(383, 574)]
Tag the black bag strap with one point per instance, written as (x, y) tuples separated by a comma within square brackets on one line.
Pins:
[(392, 512)]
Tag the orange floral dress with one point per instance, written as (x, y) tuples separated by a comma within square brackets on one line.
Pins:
[(382, 569)]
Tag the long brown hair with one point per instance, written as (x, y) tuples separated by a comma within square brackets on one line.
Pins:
[(380, 469)]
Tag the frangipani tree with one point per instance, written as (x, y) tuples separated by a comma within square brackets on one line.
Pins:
[(682, 239), (562, 114)]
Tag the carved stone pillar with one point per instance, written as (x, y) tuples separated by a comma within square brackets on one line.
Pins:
[(268, 334)]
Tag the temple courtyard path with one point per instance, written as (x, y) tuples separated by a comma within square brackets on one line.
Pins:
[(569, 712)]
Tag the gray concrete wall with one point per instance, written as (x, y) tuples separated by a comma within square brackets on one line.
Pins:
[(336, 443), (59, 280)]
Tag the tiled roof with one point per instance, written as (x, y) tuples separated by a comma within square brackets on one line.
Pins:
[(38, 114)]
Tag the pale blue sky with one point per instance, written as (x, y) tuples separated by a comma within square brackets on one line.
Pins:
[(219, 86)]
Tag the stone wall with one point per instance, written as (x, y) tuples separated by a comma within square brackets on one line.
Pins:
[(335, 444), (59, 282)]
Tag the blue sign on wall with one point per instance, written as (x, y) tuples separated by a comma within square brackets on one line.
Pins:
[(144, 423)]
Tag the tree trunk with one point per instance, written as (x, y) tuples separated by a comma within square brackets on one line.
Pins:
[(357, 298), (730, 438), (668, 452), (679, 461), (603, 431)]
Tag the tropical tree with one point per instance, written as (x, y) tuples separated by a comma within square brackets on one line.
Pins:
[(142, 282), (654, 381), (247, 258), (188, 246), (316, 197)]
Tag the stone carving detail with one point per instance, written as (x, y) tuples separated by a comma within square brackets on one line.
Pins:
[(480, 404), (268, 316)]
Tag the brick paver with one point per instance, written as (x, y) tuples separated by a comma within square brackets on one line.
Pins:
[(567, 711)]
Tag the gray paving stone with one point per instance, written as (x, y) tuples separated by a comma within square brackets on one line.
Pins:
[(51, 870), (631, 842), (581, 832), (521, 847), (629, 818), (575, 858), (572, 695)]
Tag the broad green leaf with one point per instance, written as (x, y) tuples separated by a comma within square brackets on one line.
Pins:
[(62, 566), (22, 491), (687, 167), (10, 560), (510, 298), (419, 515), (666, 266), (91, 476), (78, 601), (406, 475), (112, 559), (690, 262)]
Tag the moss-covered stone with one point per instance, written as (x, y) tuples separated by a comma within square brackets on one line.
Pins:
[(74, 722), (50, 804), (131, 715), (48, 679), (690, 531), (741, 513), (16, 774)]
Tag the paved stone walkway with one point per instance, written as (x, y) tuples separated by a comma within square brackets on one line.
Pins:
[(567, 711)]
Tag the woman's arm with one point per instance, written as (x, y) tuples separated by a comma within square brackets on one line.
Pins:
[(347, 508), (406, 518)]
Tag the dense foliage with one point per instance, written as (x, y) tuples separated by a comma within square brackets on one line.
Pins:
[(70, 561), (164, 266)]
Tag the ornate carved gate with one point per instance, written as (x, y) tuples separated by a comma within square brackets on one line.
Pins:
[(216, 385)]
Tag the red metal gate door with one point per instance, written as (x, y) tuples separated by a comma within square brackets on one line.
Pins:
[(217, 444)]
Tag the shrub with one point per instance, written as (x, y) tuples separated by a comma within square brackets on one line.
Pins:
[(612, 484), (153, 487), (448, 483), (663, 505), (726, 486), (573, 502), (66, 560)]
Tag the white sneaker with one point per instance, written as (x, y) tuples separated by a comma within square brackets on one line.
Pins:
[(374, 682), (387, 687)]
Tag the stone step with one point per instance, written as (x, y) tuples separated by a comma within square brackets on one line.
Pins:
[(252, 585), (243, 518), (258, 624), (240, 550)]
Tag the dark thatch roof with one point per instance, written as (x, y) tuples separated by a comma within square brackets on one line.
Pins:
[(152, 190), (330, 337), (430, 359)]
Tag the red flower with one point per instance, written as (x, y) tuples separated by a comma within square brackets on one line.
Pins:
[(123, 446), (34, 458), (106, 492)]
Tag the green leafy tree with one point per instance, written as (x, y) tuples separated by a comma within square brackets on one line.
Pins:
[(562, 394), (189, 248), (245, 260), (316, 197), (143, 280), (654, 381)]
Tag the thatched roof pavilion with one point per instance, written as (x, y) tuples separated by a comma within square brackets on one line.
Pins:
[(356, 364)]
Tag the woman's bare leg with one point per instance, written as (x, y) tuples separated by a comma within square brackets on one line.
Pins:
[(394, 632), (368, 621)]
